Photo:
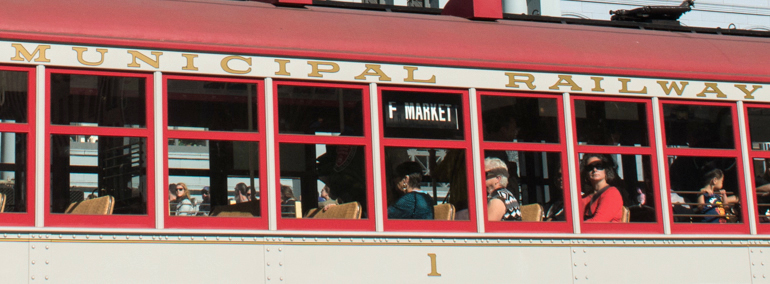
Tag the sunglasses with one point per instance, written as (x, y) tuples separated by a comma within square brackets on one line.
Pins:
[(179, 189), (597, 166), (490, 175)]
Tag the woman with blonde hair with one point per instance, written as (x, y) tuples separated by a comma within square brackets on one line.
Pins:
[(184, 205)]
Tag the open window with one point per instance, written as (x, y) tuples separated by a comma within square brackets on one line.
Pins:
[(100, 151), (215, 153), (758, 117), (324, 156), (427, 180), (17, 140), (523, 148)]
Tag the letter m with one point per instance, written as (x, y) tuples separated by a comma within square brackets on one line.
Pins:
[(22, 53)]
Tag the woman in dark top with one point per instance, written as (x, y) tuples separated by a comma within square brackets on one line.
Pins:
[(413, 204)]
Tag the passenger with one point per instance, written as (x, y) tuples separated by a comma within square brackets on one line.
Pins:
[(288, 208), (242, 193), (501, 204), (602, 202), (205, 206), (762, 183), (324, 195), (172, 193), (413, 204), (712, 203), (184, 206)]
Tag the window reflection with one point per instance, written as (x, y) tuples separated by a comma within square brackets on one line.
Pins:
[(13, 96), (611, 123), (320, 111), (762, 188), (616, 188), (85, 167), (759, 118), (318, 175), (698, 126), (704, 189), (515, 119), (97, 100), (422, 115), (534, 180), (209, 105), (213, 178), (418, 179), (13, 171)]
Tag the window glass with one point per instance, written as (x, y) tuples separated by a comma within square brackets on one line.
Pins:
[(13, 96), (515, 119), (318, 175), (320, 111), (611, 123), (422, 115), (759, 119), (88, 166), (762, 188), (704, 189), (523, 178), (13, 171), (698, 126), (97, 100), (610, 184), (207, 105), (209, 177), (417, 179)]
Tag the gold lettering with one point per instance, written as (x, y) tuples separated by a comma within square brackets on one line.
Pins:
[(410, 76), (282, 67), (513, 82), (190, 62), (673, 86), (39, 50), (748, 93), (226, 67), (597, 84), (146, 59), (433, 270), (376, 71), (566, 80), (316, 72), (713, 89), (80, 51), (624, 87)]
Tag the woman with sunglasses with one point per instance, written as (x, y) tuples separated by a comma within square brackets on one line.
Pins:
[(602, 202), (184, 205), (501, 204)]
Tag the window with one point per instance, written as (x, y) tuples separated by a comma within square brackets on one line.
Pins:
[(215, 153), (426, 160), (617, 170), (17, 129), (101, 158), (705, 184), (324, 157), (759, 142), (523, 149)]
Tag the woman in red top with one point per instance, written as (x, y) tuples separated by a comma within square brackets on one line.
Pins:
[(601, 202)]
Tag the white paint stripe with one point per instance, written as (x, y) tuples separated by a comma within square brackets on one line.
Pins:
[(476, 151), (376, 158), (159, 143), (272, 217), (40, 140), (746, 170), (664, 196), (572, 172)]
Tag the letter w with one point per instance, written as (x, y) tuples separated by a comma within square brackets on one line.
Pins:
[(673, 86)]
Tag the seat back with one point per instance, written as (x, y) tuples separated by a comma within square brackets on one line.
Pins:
[(97, 206), (531, 212), (2, 202), (626, 215), (245, 209), (444, 211), (350, 210)]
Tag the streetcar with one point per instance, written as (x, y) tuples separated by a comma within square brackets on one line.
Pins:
[(198, 141)]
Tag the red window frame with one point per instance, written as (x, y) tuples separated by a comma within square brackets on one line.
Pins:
[(465, 144), (259, 137), (588, 227), (762, 228), (365, 141), (706, 228), (107, 221), (560, 147), (28, 128)]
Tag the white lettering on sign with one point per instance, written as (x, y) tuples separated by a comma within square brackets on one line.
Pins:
[(423, 111)]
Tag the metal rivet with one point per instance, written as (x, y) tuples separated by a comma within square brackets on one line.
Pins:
[(280, 249), (46, 262), (586, 277), (46, 277), (46, 247), (268, 250), (280, 264), (33, 277), (585, 264), (281, 278), (33, 262), (268, 264), (268, 278), (33, 247), (575, 264), (114, 237), (576, 278), (574, 251)]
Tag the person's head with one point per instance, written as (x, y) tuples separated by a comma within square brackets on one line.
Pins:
[(172, 192), (408, 176), (205, 194), (496, 172), (595, 168), (325, 192), (713, 178), (182, 192), (286, 193), (242, 193)]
